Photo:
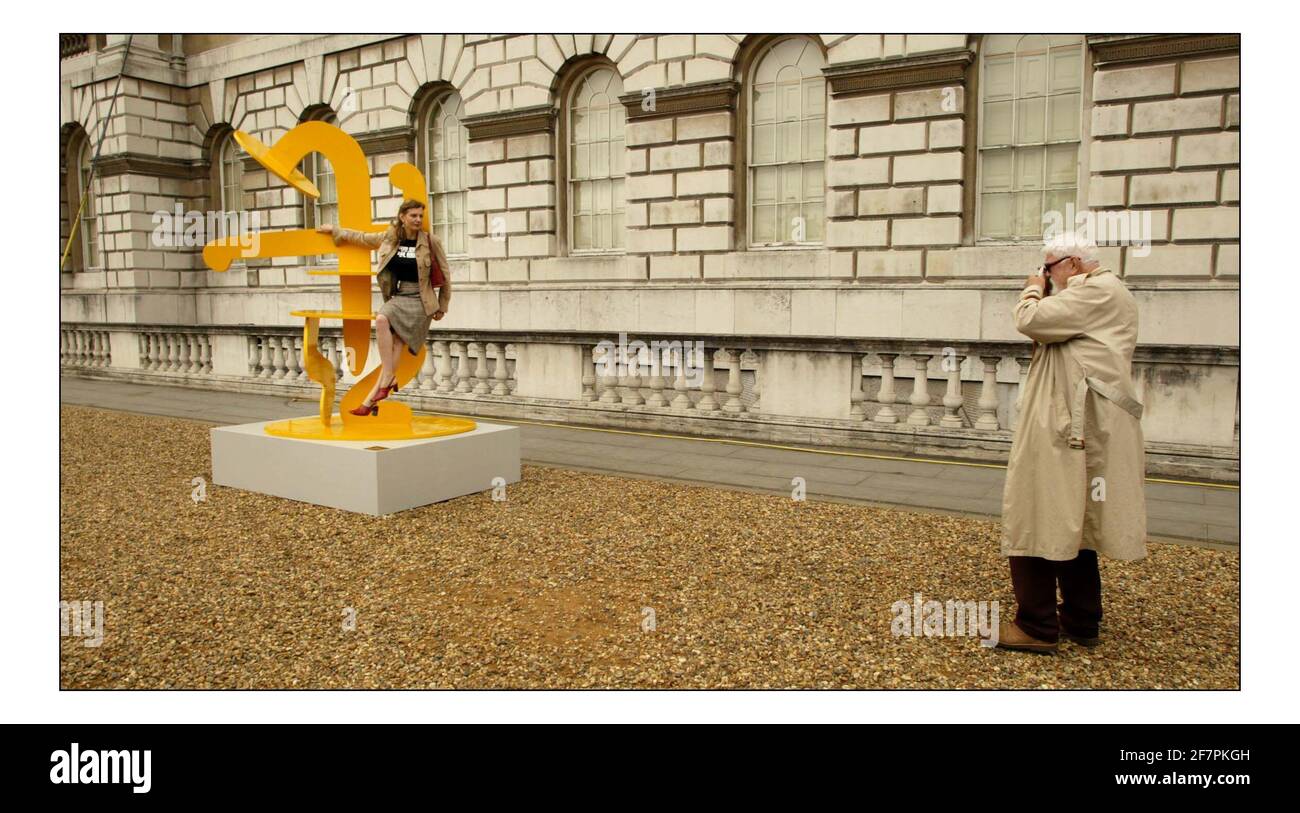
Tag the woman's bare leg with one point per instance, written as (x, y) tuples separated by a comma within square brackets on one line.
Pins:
[(384, 337), (399, 347)]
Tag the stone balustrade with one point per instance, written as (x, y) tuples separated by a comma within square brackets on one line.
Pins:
[(926, 398)]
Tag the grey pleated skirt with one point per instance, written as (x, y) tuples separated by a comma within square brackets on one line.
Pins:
[(406, 316)]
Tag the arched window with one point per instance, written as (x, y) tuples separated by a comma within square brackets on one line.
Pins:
[(594, 127), (445, 144), (230, 173), (787, 145), (1031, 107), (89, 227)]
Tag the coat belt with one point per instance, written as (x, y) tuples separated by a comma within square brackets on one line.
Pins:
[(1078, 408)]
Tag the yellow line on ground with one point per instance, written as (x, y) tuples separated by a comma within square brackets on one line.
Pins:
[(758, 444)]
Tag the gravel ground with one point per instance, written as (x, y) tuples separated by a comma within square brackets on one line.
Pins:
[(547, 589)]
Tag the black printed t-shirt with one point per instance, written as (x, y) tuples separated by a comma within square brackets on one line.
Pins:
[(403, 263)]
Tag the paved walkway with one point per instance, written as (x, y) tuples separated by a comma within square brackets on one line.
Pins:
[(1192, 513)]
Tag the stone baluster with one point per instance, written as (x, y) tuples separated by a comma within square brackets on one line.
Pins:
[(886, 396), (278, 366), (205, 357), (707, 402), (632, 381), (182, 352), (195, 342), (427, 368), (988, 403), (480, 369), (293, 361), (462, 366), (588, 374), (920, 391), (607, 376), (268, 369), (499, 370), (733, 404), (443, 367), (655, 381), (174, 357), (952, 399), (682, 400), (856, 396)]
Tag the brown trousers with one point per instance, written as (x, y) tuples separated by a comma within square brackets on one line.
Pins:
[(1035, 580)]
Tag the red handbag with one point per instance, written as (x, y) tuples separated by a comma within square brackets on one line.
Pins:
[(436, 278)]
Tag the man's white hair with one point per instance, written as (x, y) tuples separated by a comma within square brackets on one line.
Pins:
[(1070, 244)]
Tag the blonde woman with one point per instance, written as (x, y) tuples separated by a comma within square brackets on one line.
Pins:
[(412, 264)]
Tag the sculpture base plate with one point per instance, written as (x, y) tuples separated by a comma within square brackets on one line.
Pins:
[(365, 476), (370, 427)]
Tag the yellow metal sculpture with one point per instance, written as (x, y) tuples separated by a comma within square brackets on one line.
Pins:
[(394, 421)]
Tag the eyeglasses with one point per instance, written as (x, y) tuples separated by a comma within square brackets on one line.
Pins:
[(1048, 266)]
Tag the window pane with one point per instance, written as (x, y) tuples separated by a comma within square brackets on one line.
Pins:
[(995, 214), (1067, 70), (997, 123), (814, 184), (1063, 117), (764, 104), (997, 171), (814, 139), (1029, 168), (791, 182), (999, 77), (1058, 200), (764, 222), (1029, 120), (1032, 75), (1029, 214), (765, 144), (1062, 165), (815, 217), (765, 184)]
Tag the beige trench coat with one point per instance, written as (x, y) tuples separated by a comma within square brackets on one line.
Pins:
[(387, 242), (1077, 468)]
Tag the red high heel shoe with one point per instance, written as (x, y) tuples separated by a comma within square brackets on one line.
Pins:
[(364, 410)]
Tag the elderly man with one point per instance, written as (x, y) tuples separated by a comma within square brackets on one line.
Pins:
[(1075, 477)]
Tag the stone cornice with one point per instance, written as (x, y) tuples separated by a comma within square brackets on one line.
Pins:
[(537, 119), (1110, 49), (685, 99), (135, 164), (875, 75), (394, 139)]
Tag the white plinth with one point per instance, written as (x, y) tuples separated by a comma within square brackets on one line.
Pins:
[(370, 477)]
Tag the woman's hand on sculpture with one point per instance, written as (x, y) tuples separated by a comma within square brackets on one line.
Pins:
[(326, 228)]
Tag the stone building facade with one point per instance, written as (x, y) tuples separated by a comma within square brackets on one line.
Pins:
[(842, 222)]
